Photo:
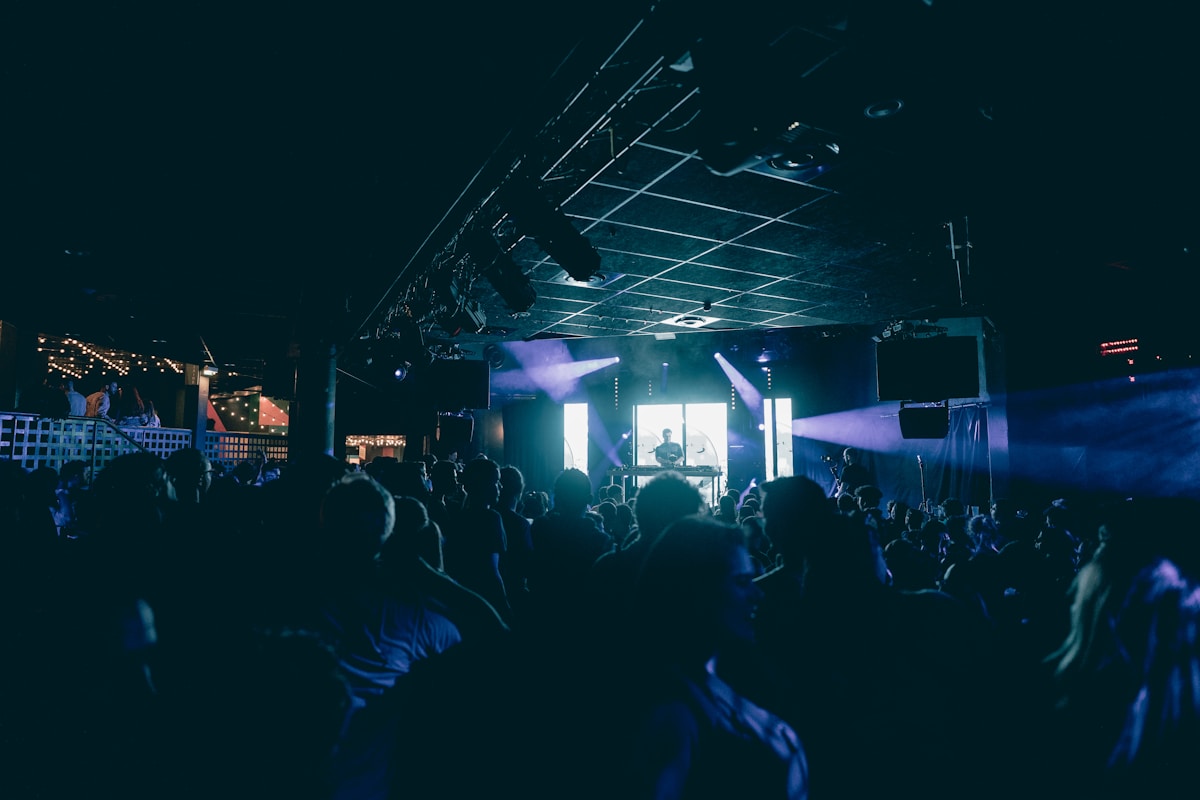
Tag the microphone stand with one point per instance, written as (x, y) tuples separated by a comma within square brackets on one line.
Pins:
[(924, 500)]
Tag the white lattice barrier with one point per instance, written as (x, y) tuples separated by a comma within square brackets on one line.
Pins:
[(34, 441)]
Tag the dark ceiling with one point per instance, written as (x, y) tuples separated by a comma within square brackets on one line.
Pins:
[(179, 180)]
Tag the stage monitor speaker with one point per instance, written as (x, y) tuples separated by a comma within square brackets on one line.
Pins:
[(922, 422)]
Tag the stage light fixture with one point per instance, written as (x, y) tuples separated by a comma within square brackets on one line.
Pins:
[(550, 228), (510, 283), (469, 317), (495, 356)]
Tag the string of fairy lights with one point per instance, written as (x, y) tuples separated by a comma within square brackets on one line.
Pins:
[(250, 411), (380, 440), (71, 358)]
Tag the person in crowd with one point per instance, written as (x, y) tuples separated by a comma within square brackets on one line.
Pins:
[(566, 543), (607, 510), (859, 667), (614, 492), (475, 535), (868, 497), (535, 504), (759, 543), (402, 478), (694, 735), (72, 484), (624, 527), (281, 712), (514, 563), (749, 507), (914, 521), (99, 602), (669, 453), (444, 492), (666, 497), (412, 559), (191, 473), (893, 522), (1121, 714), (982, 531), (726, 510), (377, 628), (1011, 522)]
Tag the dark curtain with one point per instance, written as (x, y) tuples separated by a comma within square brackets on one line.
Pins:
[(956, 466), (533, 441), (935, 469)]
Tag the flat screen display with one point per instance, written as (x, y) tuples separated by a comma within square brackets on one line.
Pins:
[(930, 369)]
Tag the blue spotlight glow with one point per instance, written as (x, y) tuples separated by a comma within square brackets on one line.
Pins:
[(750, 396), (547, 367)]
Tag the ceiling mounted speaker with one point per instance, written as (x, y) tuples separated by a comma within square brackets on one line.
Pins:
[(925, 422)]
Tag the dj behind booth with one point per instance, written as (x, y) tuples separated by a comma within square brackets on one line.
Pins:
[(669, 453)]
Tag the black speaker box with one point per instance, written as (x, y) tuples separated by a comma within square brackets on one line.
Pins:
[(925, 422)]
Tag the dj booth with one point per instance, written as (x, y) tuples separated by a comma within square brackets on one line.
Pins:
[(705, 477)]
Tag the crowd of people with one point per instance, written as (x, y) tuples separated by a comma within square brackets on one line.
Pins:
[(428, 628)]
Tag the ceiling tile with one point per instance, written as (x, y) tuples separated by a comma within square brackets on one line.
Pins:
[(739, 257), (733, 280), (632, 263), (640, 166), (777, 304), (688, 218), (643, 241), (595, 201)]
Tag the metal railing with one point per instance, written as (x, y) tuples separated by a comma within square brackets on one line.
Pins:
[(34, 441)]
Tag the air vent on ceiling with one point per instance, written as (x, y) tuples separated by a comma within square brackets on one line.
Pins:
[(691, 321), (597, 281)]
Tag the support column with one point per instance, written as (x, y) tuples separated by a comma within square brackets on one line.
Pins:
[(310, 427), (311, 422)]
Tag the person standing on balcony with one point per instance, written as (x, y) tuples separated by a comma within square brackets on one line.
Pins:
[(152, 418), (77, 400), (131, 409), (100, 404)]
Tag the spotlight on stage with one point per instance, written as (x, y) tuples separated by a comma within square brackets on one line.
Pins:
[(751, 396)]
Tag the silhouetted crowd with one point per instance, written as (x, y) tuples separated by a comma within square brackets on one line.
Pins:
[(433, 629)]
